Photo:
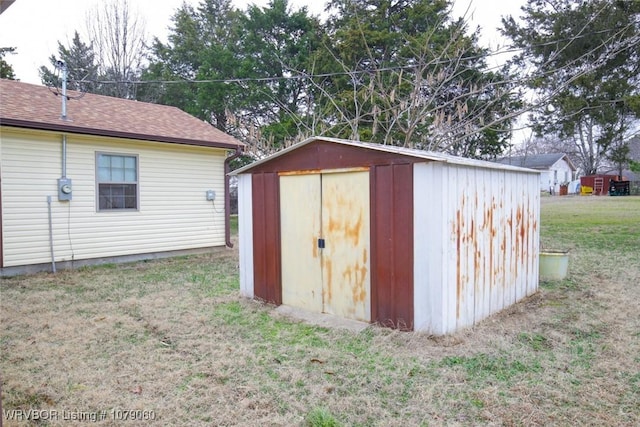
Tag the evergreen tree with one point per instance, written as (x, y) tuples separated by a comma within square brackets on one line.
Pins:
[(243, 68), (586, 57), (79, 59), (278, 45), (6, 70), (202, 46)]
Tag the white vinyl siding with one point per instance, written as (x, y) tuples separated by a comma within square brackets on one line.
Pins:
[(173, 212)]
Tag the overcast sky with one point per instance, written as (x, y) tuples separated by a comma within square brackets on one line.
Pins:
[(34, 27)]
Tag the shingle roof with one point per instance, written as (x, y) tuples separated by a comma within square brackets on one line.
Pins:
[(535, 161), (37, 107), (4, 4)]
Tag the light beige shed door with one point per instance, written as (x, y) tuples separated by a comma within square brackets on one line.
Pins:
[(345, 258), (300, 227), (329, 210)]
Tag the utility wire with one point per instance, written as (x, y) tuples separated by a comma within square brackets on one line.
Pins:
[(352, 73)]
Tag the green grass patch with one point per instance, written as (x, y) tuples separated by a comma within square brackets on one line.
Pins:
[(484, 366), (271, 331), (535, 341), (607, 224), (584, 346), (321, 417)]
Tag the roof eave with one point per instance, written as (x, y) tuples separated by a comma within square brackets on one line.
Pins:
[(427, 156), (271, 157), (26, 124), (571, 165)]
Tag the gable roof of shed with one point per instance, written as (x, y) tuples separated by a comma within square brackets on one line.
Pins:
[(409, 152), (31, 106), (536, 161)]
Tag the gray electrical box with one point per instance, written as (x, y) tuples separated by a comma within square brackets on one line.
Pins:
[(211, 195), (64, 189)]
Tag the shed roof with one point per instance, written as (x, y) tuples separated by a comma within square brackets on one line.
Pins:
[(409, 152), (627, 174), (536, 161), (31, 106)]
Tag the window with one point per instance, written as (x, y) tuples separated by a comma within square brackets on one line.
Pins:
[(117, 181)]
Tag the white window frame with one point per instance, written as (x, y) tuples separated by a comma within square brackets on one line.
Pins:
[(125, 182)]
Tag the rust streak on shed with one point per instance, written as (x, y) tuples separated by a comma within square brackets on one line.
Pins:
[(458, 234)]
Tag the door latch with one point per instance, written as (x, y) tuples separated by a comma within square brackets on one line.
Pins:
[(321, 243)]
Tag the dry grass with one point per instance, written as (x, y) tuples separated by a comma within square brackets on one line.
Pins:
[(174, 337)]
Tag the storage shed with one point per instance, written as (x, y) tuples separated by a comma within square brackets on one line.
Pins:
[(405, 238), (596, 185)]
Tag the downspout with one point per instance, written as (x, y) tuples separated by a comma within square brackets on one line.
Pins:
[(227, 196)]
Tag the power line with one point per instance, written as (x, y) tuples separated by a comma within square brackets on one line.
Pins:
[(352, 73)]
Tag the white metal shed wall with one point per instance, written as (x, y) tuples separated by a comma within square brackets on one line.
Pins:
[(476, 243), (245, 234)]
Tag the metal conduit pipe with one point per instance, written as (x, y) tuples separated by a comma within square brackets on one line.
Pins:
[(64, 156)]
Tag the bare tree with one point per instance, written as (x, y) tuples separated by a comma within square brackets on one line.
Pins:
[(443, 99), (118, 37)]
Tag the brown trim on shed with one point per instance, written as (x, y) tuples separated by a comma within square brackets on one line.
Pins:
[(322, 155), (267, 275), (392, 245)]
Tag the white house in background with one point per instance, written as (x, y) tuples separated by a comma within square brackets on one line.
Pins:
[(113, 180), (555, 168)]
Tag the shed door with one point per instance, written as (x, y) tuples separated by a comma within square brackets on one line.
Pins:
[(300, 229), (333, 208)]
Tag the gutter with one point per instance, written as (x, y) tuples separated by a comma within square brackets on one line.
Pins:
[(66, 128), (227, 196)]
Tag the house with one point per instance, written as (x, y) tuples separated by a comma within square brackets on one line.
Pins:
[(404, 238), (555, 168), (89, 178)]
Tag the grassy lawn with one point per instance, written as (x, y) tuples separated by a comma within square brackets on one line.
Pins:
[(173, 338)]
